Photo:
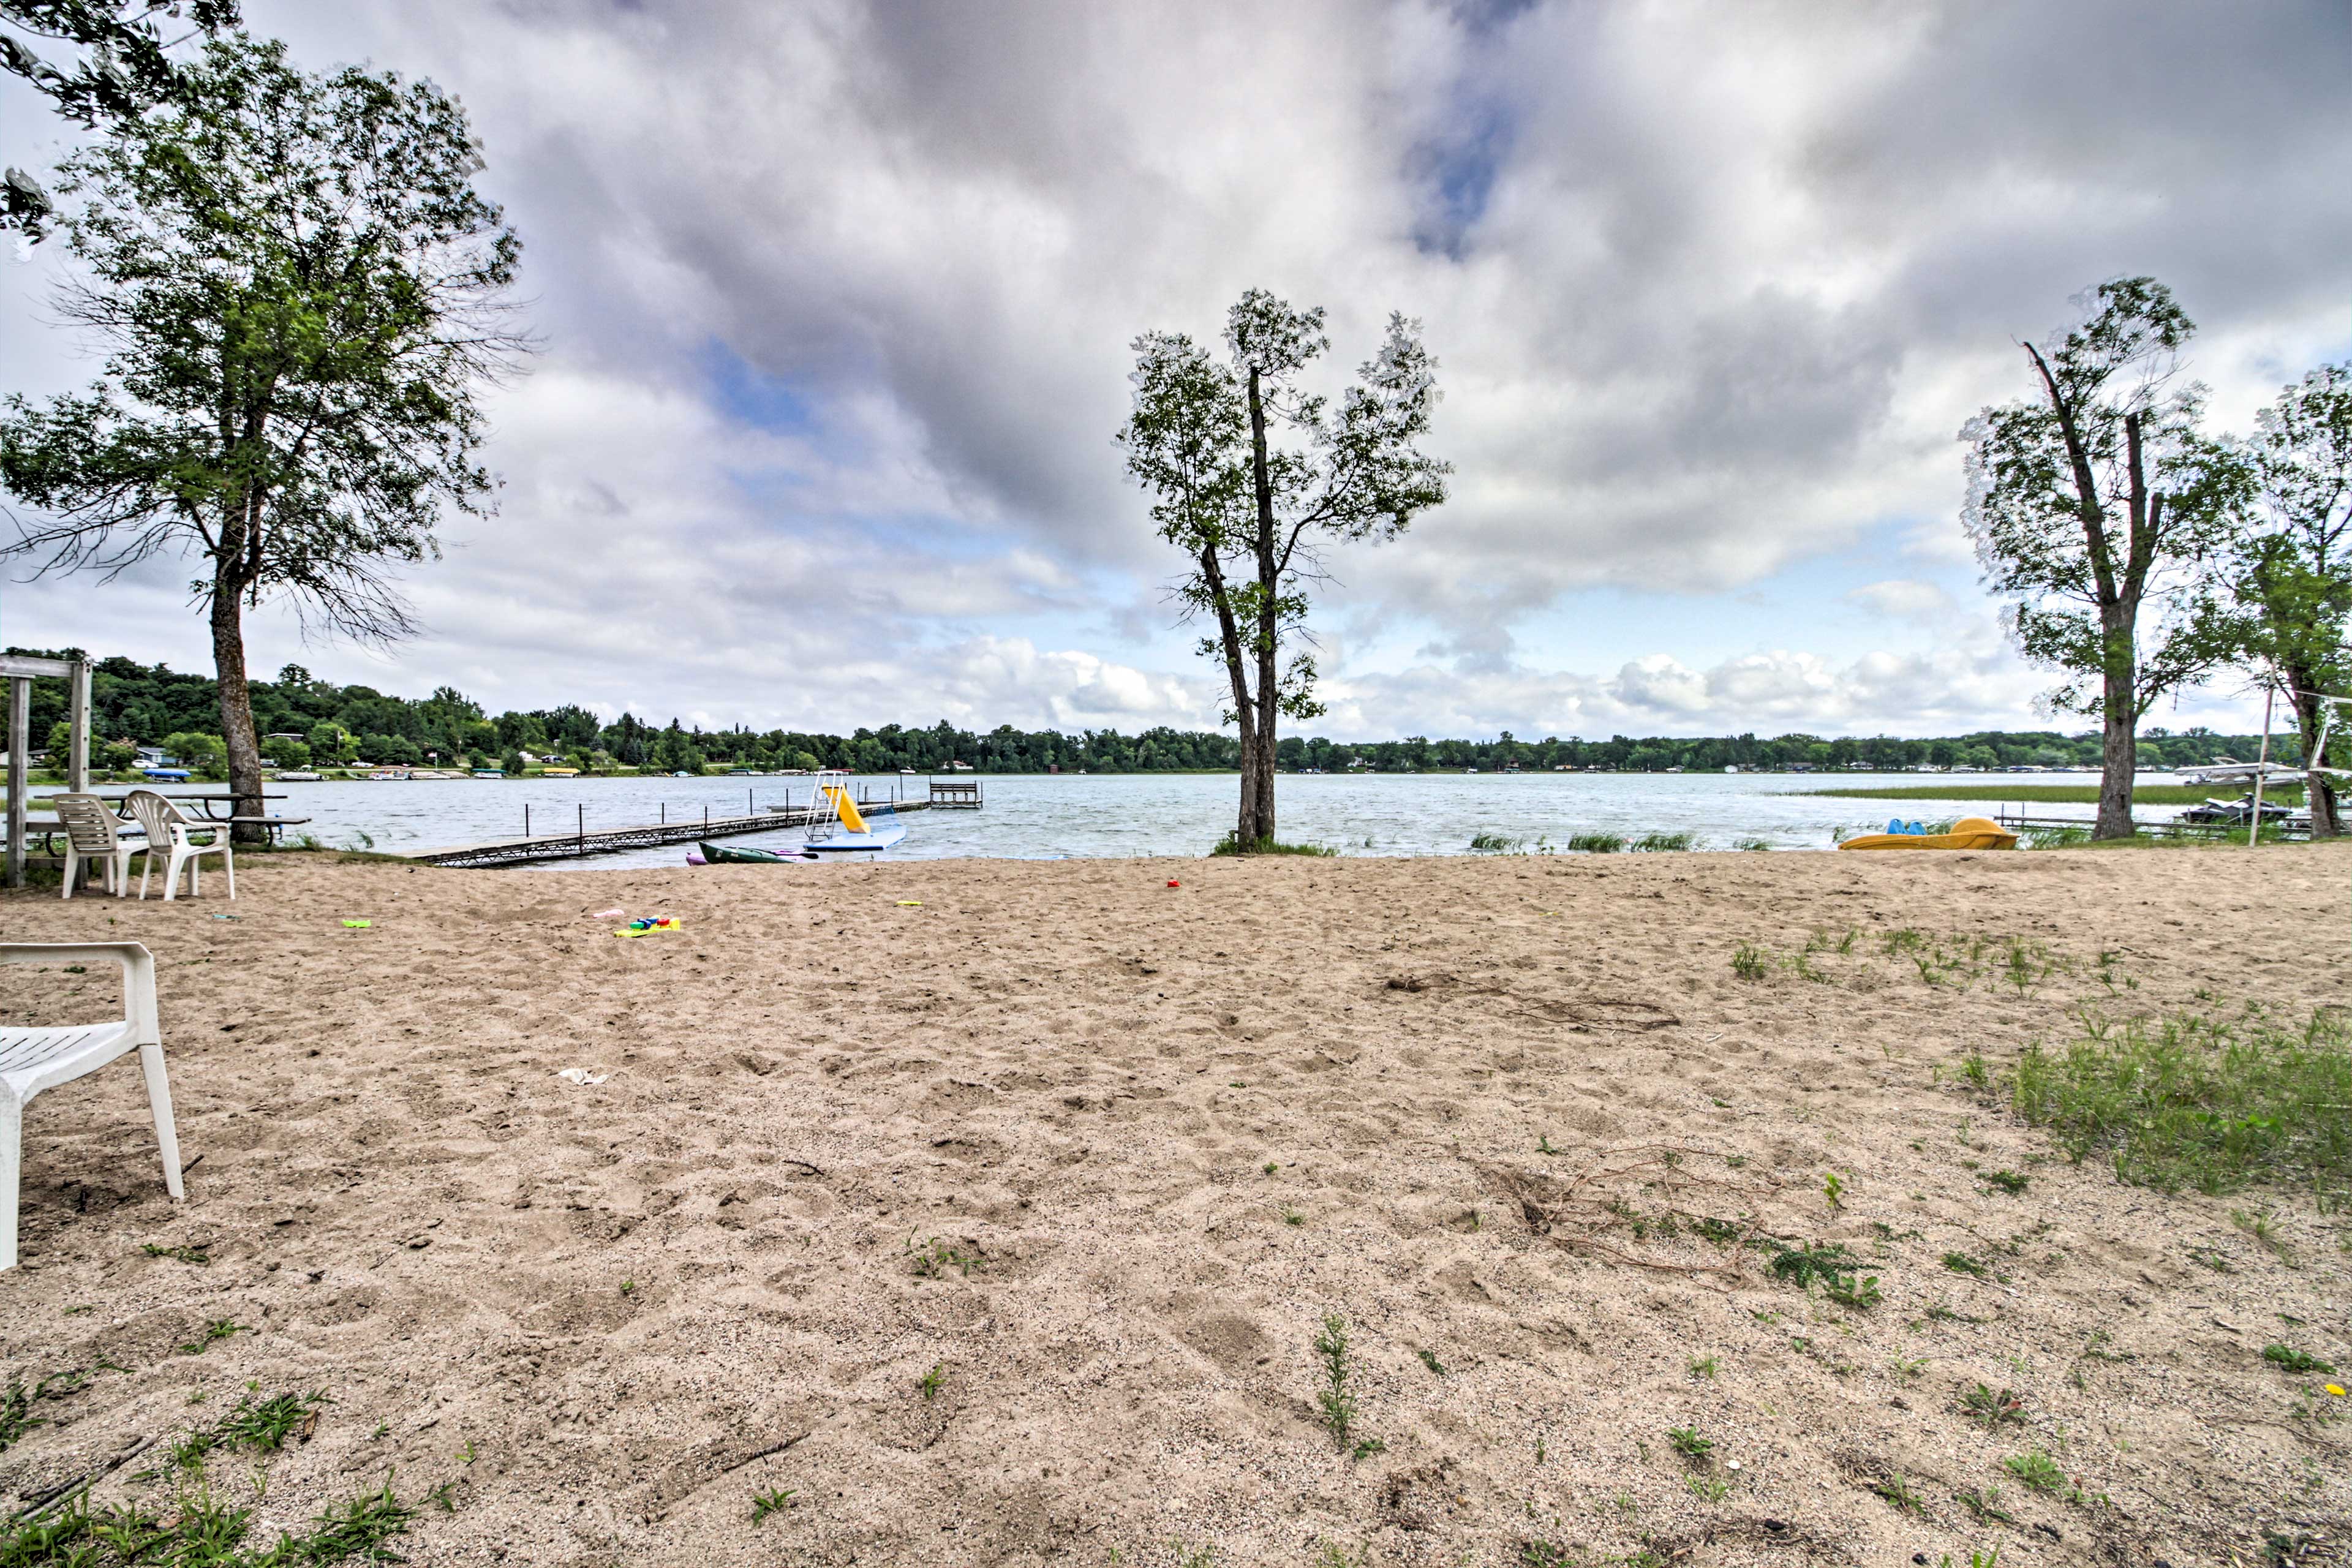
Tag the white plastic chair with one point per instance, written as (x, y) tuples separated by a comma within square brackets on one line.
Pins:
[(93, 833), (34, 1060), (167, 831)]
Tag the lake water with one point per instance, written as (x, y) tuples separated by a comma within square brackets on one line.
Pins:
[(1029, 816)]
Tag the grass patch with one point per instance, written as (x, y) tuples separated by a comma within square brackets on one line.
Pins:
[(1751, 844), (1663, 842), (1596, 843), (1802, 1265), (1495, 843), (2295, 1360), (2049, 794), (2187, 1102), (201, 1532), (1751, 963), (1233, 845)]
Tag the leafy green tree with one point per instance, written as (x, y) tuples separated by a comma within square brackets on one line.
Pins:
[(1253, 516), (298, 286), (2294, 564), (291, 755), (2098, 509), (203, 754), (331, 743), (123, 66)]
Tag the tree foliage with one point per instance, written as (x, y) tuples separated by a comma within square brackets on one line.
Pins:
[(1253, 476), (120, 64), (2099, 512), (299, 289), (2291, 571)]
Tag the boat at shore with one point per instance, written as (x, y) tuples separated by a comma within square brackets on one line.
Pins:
[(1967, 833), (746, 854)]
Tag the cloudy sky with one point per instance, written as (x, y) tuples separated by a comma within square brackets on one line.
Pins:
[(835, 302)]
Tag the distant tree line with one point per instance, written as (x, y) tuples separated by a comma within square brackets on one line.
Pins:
[(305, 719)]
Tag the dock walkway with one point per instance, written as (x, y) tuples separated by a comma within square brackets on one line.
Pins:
[(609, 840)]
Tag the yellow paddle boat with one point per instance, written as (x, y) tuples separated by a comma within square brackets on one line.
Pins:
[(1967, 833)]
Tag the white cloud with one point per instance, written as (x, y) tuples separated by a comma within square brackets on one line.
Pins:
[(837, 299)]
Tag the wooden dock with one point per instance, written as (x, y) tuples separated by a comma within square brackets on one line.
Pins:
[(955, 794), (580, 842)]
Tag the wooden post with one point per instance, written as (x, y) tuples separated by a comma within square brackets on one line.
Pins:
[(525, 819), (77, 714), (20, 772), (2262, 762)]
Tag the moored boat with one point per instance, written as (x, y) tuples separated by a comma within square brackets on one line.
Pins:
[(745, 855)]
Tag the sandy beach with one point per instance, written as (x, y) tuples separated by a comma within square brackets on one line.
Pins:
[(992, 1209)]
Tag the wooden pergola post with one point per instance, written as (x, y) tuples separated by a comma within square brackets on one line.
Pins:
[(20, 672)]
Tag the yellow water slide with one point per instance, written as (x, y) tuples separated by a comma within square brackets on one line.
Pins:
[(851, 817)]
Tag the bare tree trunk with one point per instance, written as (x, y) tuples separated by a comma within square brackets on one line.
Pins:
[(1257, 778), (236, 711), (2321, 790), (2119, 711)]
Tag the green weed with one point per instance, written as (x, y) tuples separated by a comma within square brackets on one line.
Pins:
[(2008, 1181), (1597, 843), (1849, 1291), (1802, 1265), (1961, 1263), (217, 1330), (771, 1500), (1750, 962), (1985, 1504), (1688, 1442), (1429, 1359), (1703, 1366), (932, 1381), (1335, 1400), (195, 1255), (1990, 1408), (2037, 1471), (2295, 1360)]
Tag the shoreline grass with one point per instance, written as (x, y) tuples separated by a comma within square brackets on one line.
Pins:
[(1231, 845), (2054, 794)]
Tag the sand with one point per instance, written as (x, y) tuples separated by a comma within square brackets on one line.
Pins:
[(1011, 1125)]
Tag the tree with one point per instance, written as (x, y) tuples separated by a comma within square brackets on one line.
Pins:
[(291, 755), (2096, 499), (2293, 575), (300, 288), (128, 66), (1251, 516)]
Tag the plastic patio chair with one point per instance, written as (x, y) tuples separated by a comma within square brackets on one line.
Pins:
[(34, 1060), (167, 833), (94, 834)]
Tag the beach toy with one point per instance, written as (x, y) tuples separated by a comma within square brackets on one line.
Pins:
[(357, 925), (910, 903), (647, 927), (1174, 883), (608, 914)]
